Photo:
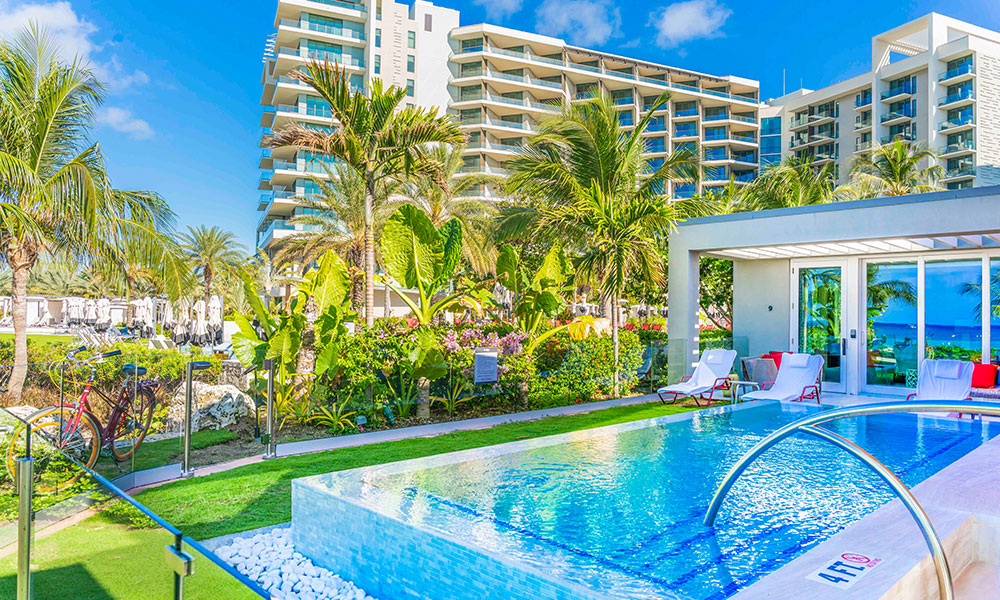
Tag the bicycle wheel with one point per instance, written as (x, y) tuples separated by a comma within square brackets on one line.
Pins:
[(57, 447), (133, 425)]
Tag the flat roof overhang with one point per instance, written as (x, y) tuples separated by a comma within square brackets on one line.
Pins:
[(937, 221)]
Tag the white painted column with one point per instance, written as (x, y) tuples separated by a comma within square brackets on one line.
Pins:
[(682, 325)]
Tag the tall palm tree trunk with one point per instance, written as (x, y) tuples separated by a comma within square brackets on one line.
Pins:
[(20, 260), (369, 252), (614, 339), (208, 285)]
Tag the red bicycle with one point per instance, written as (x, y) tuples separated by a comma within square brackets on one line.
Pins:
[(66, 436)]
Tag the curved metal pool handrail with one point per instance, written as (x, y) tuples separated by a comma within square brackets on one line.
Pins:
[(807, 425), (946, 590)]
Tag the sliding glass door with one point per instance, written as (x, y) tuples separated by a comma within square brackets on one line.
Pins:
[(820, 318), (891, 344)]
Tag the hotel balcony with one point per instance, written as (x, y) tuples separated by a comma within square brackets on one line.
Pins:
[(302, 55), (958, 173), (289, 30), (685, 133), (862, 103), (956, 75), (824, 157), (899, 93), (493, 148), (862, 146), (953, 150), (957, 125), (731, 137), (279, 229), (687, 113), (483, 170), (896, 117), (799, 122), (956, 100), (501, 102), (684, 190), (906, 136), (505, 127), (862, 125)]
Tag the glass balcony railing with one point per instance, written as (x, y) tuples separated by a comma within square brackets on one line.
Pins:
[(907, 88), (863, 101), (716, 136), (746, 177), (469, 49), (717, 155), (323, 28), (961, 171), (904, 136), (686, 112), (655, 126), (864, 124), (956, 72), (745, 158), (799, 121), (964, 94), (626, 121), (685, 133), (820, 156), (743, 119), (963, 146), (968, 120), (315, 54), (744, 137), (622, 100), (895, 116), (656, 149), (716, 117), (338, 3), (861, 146)]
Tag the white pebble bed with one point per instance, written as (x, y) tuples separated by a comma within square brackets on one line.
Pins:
[(271, 560)]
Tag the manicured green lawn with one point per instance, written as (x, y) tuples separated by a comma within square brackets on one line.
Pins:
[(102, 558), (40, 338)]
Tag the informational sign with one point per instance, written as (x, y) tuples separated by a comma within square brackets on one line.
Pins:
[(485, 365), (845, 570)]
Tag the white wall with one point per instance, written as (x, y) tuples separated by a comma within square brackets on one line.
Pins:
[(761, 311)]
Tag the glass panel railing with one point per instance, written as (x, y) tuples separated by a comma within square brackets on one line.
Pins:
[(963, 146), (966, 94), (969, 120), (957, 72)]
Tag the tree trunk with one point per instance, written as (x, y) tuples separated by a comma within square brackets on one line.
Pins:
[(208, 285), (388, 303), (20, 260), (369, 252), (423, 398), (614, 339)]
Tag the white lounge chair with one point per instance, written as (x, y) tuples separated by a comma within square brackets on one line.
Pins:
[(943, 379), (797, 379), (710, 374)]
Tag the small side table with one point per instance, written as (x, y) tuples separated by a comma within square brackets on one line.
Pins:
[(738, 388)]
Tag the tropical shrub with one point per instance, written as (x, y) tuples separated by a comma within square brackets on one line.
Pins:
[(587, 371)]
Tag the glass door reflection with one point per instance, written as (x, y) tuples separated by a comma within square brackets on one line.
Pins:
[(892, 354), (820, 319)]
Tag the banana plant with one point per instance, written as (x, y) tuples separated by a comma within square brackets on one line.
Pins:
[(419, 257), (538, 297)]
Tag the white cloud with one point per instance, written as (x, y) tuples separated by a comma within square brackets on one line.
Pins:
[(684, 21), (499, 9), (73, 35), (123, 121), (73, 38), (584, 22)]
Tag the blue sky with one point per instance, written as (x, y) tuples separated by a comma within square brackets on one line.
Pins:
[(182, 111)]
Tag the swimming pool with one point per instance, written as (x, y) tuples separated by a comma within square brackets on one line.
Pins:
[(614, 512)]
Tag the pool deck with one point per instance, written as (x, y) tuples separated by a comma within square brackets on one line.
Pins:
[(963, 504)]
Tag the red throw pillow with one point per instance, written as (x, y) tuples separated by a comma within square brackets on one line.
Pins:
[(984, 376)]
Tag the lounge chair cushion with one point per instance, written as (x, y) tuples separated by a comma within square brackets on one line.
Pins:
[(948, 369), (984, 376), (797, 360)]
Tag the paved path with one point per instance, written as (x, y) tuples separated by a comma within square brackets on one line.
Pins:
[(138, 481)]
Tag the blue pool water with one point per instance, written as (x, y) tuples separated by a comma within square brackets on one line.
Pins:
[(621, 512)]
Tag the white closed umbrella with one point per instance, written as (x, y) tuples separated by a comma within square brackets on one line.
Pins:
[(103, 314), (215, 320), (180, 330), (199, 335), (90, 311), (149, 312)]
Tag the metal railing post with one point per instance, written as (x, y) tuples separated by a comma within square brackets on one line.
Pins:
[(192, 366), (25, 524), (188, 392), (270, 449)]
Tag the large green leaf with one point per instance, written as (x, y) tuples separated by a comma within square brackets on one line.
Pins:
[(555, 268), (287, 339), (259, 310), (509, 268), (411, 248), (327, 360), (249, 349), (328, 285), (451, 235)]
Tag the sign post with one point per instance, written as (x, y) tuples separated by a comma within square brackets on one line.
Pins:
[(485, 365)]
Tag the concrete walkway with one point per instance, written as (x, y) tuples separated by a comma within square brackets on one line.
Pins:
[(148, 478)]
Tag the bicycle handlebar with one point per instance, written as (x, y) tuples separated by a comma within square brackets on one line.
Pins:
[(71, 355), (197, 365), (110, 354)]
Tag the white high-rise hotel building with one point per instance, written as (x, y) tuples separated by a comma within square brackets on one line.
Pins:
[(935, 80)]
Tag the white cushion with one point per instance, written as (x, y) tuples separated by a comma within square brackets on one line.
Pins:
[(796, 360), (948, 369)]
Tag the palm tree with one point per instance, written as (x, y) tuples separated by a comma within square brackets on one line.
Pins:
[(591, 185), (792, 182), (57, 197), (727, 200), (373, 136), (895, 169), (444, 203), (335, 217), (211, 250)]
